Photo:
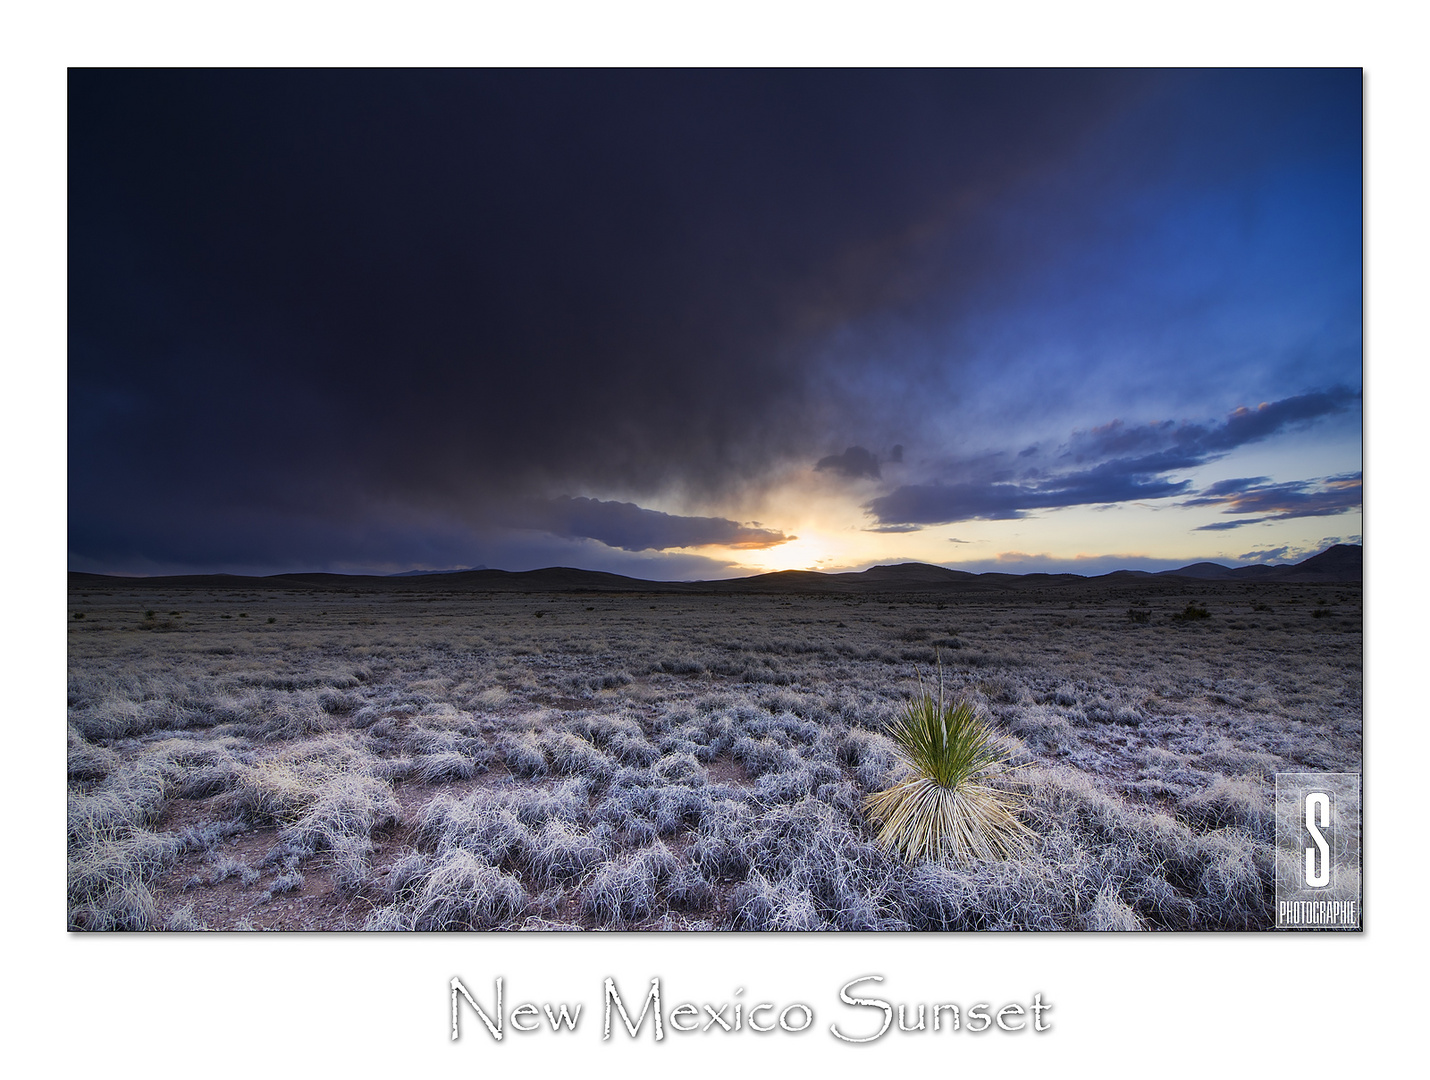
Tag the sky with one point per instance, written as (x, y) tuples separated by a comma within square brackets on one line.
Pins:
[(707, 323)]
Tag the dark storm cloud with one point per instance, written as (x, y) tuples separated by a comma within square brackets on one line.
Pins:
[(634, 528), (312, 309), (371, 540), (1279, 502), (457, 289), (855, 463), (1161, 448)]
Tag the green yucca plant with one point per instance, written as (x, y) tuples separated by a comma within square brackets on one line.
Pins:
[(947, 806)]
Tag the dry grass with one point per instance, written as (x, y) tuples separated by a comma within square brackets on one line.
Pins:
[(421, 761)]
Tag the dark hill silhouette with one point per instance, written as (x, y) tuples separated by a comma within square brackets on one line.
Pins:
[(1340, 563), (1208, 571)]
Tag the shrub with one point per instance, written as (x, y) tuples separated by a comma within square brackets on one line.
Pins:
[(1191, 613), (947, 806)]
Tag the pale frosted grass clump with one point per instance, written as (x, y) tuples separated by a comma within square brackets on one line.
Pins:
[(761, 904), (461, 892), (625, 889), (223, 867), (562, 851), (522, 753), (282, 788), (444, 766), (948, 806), (108, 879), (112, 855), (388, 918), (539, 833), (1110, 913), (133, 796), (479, 824), (1243, 802), (871, 756), (183, 920), (764, 755), (348, 805), (269, 792), (288, 881), (118, 901), (351, 868), (86, 762), (571, 755)]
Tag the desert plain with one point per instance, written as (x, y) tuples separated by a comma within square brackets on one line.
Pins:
[(574, 753)]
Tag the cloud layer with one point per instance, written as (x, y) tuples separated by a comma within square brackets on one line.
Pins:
[(323, 318), (1279, 502), (854, 464), (1138, 463), (632, 528)]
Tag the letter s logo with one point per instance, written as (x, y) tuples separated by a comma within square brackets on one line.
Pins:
[(1318, 806)]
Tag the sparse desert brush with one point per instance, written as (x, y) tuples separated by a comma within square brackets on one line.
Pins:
[(525, 779), (948, 806)]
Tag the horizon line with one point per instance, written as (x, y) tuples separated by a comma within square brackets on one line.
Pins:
[(414, 573)]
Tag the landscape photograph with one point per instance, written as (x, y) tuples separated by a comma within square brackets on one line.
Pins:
[(707, 500)]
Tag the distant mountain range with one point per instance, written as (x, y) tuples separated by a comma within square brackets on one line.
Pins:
[(1340, 563), (429, 573)]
